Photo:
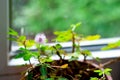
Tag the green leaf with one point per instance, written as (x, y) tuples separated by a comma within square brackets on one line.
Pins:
[(86, 52), (12, 32), (24, 50), (43, 47), (97, 71), (74, 26), (48, 60), (35, 54), (107, 71), (62, 78), (94, 78), (22, 38), (43, 70), (101, 73), (73, 58), (12, 39), (98, 59), (50, 79), (19, 55), (58, 46), (29, 43), (63, 36), (93, 37), (112, 45), (27, 56), (23, 54)]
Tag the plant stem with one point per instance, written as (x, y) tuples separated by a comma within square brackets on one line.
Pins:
[(38, 47), (73, 42), (85, 57), (57, 52), (24, 43), (111, 62), (30, 63)]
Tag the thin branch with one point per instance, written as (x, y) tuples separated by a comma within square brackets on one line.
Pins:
[(73, 42), (111, 62), (24, 43), (57, 52), (31, 64)]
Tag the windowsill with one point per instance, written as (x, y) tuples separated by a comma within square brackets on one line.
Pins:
[(101, 54)]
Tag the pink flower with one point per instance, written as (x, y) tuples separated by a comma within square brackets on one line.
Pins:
[(40, 38)]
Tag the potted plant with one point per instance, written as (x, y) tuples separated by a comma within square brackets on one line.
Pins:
[(67, 66)]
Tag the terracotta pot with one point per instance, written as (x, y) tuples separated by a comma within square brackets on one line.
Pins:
[(71, 72), (108, 77)]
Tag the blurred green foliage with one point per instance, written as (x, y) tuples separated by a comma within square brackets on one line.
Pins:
[(97, 16)]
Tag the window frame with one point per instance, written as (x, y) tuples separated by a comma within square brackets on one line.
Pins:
[(5, 70)]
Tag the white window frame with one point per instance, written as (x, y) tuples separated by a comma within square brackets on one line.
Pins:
[(5, 70)]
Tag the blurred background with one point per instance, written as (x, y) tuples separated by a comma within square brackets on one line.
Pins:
[(102, 17)]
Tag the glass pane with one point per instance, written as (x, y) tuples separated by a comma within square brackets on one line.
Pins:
[(102, 17)]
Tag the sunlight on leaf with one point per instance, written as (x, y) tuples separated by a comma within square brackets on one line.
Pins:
[(112, 45), (63, 36), (74, 26), (86, 52), (94, 78), (64, 66), (93, 37), (102, 72), (21, 38), (107, 71), (27, 43)]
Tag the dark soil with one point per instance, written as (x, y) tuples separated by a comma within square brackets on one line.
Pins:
[(76, 70)]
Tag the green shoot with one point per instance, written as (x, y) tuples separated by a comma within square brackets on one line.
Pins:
[(94, 78), (103, 72)]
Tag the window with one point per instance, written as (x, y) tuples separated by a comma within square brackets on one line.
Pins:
[(30, 17)]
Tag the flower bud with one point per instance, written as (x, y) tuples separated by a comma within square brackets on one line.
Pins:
[(40, 38)]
